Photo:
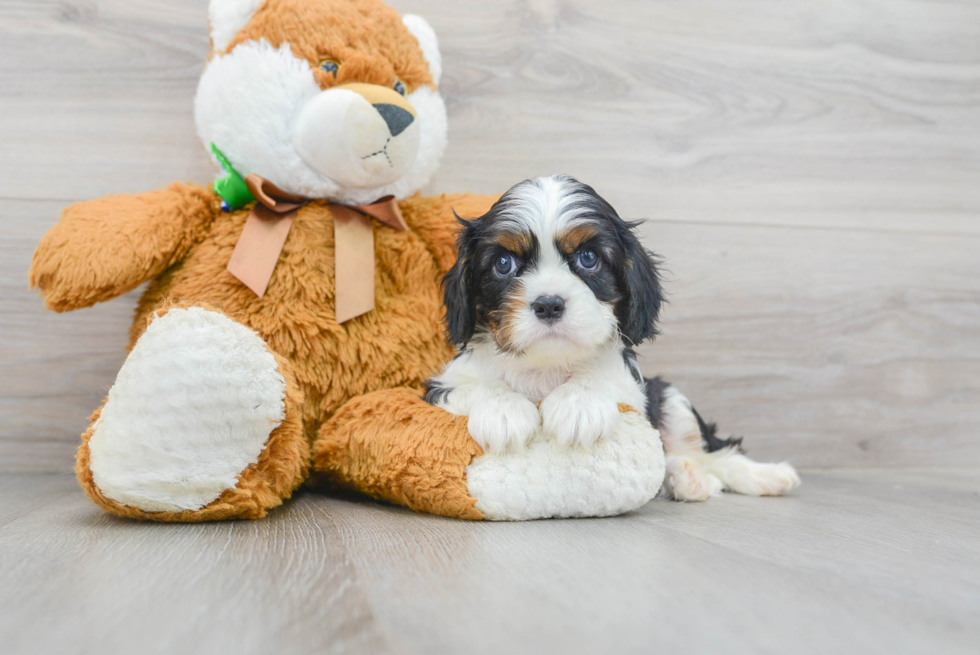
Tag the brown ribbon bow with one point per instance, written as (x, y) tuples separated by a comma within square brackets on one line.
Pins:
[(267, 227)]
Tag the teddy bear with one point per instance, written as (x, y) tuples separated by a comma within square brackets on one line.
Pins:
[(293, 309)]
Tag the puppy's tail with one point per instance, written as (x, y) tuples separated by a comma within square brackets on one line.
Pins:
[(672, 412)]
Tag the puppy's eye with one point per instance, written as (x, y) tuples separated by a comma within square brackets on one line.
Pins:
[(330, 66), (505, 265), (399, 87), (588, 260)]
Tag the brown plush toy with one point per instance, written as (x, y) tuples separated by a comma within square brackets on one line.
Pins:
[(293, 309)]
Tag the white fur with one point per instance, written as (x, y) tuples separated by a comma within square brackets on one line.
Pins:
[(228, 18), (619, 474), (545, 205), (500, 420), (678, 423), (738, 473), (191, 408), (693, 474), (426, 37), (579, 412), (250, 101)]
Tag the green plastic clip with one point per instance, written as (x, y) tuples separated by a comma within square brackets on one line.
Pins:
[(230, 186)]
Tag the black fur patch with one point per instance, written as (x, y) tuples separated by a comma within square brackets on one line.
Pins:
[(655, 396), (709, 436), (434, 393), (457, 286), (629, 358)]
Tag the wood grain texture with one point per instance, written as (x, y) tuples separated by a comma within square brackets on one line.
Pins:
[(826, 347), (809, 172), (865, 561)]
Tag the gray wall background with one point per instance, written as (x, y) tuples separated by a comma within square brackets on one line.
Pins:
[(809, 170)]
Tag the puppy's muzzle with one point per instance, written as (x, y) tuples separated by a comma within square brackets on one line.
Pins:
[(548, 308)]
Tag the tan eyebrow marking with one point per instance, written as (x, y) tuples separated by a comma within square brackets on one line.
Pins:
[(570, 240), (519, 243)]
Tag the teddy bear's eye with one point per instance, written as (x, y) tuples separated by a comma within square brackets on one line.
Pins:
[(399, 87), (330, 66)]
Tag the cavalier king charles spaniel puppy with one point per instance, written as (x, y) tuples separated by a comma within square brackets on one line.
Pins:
[(549, 295)]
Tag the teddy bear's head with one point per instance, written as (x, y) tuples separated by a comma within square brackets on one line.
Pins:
[(333, 99)]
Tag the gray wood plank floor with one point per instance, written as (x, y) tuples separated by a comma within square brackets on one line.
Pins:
[(809, 172), (856, 561)]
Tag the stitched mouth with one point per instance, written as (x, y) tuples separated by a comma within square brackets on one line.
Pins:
[(383, 151)]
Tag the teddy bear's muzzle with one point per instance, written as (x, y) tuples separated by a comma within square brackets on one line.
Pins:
[(359, 135)]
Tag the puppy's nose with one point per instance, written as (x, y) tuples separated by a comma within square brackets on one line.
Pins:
[(397, 118), (548, 308)]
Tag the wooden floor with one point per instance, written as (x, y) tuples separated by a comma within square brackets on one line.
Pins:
[(858, 561)]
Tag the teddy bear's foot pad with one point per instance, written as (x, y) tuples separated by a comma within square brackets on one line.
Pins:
[(618, 474), (192, 407)]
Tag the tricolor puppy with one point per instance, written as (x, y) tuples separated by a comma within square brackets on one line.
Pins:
[(550, 293)]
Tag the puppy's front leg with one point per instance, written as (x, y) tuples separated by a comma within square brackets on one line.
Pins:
[(579, 412), (586, 407), (500, 419)]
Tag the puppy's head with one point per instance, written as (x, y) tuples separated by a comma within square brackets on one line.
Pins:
[(551, 272)]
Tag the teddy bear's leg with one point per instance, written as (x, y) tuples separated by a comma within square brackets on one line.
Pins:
[(394, 446), (203, 422)]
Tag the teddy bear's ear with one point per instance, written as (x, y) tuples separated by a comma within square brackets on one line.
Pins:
[(227, 18), (426, 37)]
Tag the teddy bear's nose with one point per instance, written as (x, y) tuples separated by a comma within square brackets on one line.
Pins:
[(397, 118)]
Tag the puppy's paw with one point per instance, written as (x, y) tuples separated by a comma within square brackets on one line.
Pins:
[(504, 422), (576, 415), (686, 480), (745, 476)]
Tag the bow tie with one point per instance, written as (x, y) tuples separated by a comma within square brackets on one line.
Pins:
[(267, 227)]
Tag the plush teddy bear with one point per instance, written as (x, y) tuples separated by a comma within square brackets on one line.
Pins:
[(293, 309)]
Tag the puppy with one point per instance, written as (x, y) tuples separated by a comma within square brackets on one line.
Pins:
[(549, 295)]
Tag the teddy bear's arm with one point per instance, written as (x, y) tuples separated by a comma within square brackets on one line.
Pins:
[(432, 218), (103, 248)]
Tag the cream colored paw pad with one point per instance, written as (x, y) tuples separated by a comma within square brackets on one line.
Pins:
[(546, 480), (192, 407)]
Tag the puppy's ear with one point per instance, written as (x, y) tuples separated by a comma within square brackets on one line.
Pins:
[(458, 287), (638, 311)]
